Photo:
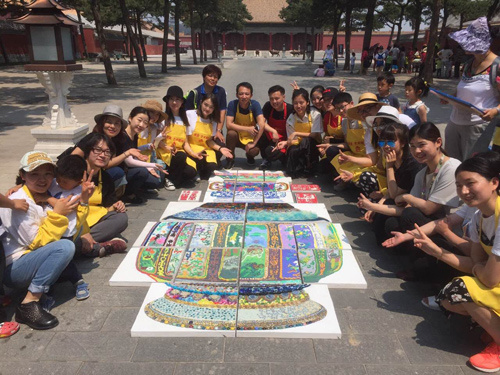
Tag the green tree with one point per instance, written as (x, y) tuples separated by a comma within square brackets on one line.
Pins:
[(96, 12), (299, 13), (427, 73)]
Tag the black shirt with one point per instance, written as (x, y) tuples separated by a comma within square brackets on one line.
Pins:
[(277, 115), (405, 174)]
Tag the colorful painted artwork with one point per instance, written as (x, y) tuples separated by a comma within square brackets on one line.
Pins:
[(169, 234), (306, 198), (207, 265), (249, 192), (269, 235), (226, 175), (316, 264), (217, 235), (196, 306), (218, 191), (213, 212), (272, 176), (159, 263), (277, 192), (319, 235), (277, 212), (190, 195), (269, 266), (305, 188), (250, 176)]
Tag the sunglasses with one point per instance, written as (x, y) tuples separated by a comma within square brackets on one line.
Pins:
[(388, 143)]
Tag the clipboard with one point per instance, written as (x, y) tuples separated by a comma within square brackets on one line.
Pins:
[(453, 100)]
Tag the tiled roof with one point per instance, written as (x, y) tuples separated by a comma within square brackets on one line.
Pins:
[(265, 11)]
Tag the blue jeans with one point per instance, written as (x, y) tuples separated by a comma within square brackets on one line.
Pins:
[(118, 176), (40, 269)]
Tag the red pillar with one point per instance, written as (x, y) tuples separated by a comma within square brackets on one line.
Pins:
[(223, 41), (244, 41), (270, 41), (291, 41)]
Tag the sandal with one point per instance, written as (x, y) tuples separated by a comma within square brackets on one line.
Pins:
[(82, 291), (430, 303), (7, 329)]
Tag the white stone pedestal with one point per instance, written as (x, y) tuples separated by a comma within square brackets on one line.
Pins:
[(60, 128)]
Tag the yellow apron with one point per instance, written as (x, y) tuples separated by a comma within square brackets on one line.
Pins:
[(301, 127), (355, 139), (198, 141), (244, 120), (481, 294), (144, 141), (176, 136), (381, 173), (96, 211), (337, 132)]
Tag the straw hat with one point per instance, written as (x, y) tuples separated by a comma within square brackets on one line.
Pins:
[(153, 105), (365, 99)]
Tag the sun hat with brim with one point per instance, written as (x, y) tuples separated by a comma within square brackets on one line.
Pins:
[(475, 38), (388, 112), (365, 99), (111, 110), (330, 92), (154, 105), (174, 91), (33, 159)]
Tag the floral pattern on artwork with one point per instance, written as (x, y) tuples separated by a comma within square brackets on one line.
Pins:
[(316, 264), (159, 263), (269, 266), (213, 212), (169, 234)]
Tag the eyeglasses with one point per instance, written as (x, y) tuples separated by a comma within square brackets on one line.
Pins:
[(388, 143), (99, 151)]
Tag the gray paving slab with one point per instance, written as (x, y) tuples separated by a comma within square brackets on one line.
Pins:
[(385, 328), (40, 368), (222, 368), (268, 350), (179, 349), (297, 368)]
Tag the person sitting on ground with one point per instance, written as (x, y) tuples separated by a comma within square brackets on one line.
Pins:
[(329, 68), (304, 131), (477, 296), (276, 112), (174, 148), (141, 175), (7, 329), (150, 136), (35, 253), (245, 124), (201, 146), (107, 217), (319, 71), (349, 165), (111, 123), (385, 81), (211, 76)]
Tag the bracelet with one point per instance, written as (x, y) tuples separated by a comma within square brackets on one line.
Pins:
[(84, 204), (219, 130), (125, 153)]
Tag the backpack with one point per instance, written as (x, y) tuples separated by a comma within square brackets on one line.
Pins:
[(368, 60), (195, 97)]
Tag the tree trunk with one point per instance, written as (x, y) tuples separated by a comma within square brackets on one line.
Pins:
[(3, 50), (204, 45), (347, 49), (400, 24), (392, 33), (110, 75), (446, 14), (212, 43), (177, 11), (133, 41), (202, 41), (193, 32), (164, 50), (492, 10), (125, 39), (369, 24), (431, 46), (416, 25), (141, 38), (84, 43), (305, 43)]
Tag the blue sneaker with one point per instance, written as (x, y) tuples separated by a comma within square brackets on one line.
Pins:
[(82, 291)]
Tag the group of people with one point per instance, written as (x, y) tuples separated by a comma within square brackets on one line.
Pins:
[(409, 181)]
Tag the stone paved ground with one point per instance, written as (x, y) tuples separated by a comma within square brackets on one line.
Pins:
[(385, 328)]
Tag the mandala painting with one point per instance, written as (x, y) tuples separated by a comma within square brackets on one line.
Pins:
[(159, 263)]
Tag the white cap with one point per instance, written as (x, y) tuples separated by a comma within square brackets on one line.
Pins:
[(33, 159)]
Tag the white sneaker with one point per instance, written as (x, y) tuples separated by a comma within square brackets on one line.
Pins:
[(169, 185), (197, 178)]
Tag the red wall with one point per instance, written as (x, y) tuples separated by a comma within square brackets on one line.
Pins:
[(356, 41)]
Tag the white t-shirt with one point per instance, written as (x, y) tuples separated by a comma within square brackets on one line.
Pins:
[(316, 127), (478, 91), (488, 230), (329, 54), (368, 140), (56, 192), (445, 55), (192, 116), (443, 189), (466, 213)]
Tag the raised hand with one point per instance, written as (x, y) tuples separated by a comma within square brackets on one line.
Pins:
[(345, 176), (65, 206), (425, 244), (88, 187)]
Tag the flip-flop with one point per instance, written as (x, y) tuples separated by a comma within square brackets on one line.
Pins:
[(430, 303), (7, 329)]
